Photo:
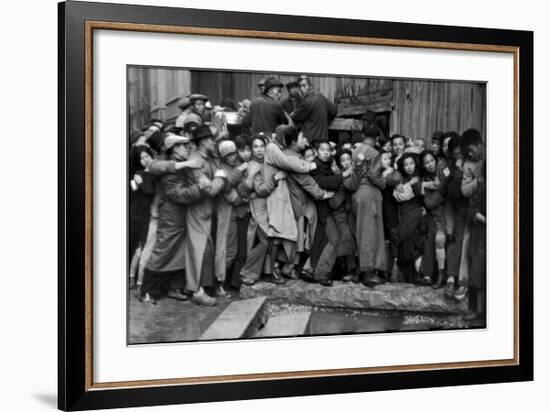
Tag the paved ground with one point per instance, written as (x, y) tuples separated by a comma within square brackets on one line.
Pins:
[(174, 321), (170, 320)]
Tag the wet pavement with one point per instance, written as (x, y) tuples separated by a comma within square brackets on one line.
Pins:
[(169, 320), (176, 321)]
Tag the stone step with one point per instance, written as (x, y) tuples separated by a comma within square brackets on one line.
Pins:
[(241, 319), (287, 325), (390, 296)]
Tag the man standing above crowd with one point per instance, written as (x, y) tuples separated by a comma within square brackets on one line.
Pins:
[(261, 86), (313, 113), (266, 112), (291, 102)]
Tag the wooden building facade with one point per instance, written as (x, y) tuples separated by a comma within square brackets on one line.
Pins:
[(415, 108)]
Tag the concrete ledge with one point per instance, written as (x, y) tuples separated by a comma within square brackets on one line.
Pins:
[(241, 319), (288, 324), (390, 296)]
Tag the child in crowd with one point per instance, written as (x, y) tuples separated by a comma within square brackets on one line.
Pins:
[(310, 154), (419, 145), (243, 148), (384, 145), (390, 214)]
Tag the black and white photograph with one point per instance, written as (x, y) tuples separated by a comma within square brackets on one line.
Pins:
[(268, 204)]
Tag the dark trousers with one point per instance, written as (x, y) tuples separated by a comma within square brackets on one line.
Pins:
[(254, 265), (454, 248), (328, 255), (240, 259), (157, 284)]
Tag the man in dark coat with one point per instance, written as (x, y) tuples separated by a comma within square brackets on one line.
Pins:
[(266, 112), (293, 100), (167, 260), (313, 113)]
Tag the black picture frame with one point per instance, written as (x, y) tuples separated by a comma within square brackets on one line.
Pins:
[(73, 391)]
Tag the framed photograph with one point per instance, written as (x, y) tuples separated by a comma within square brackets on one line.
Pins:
[(255, 206)]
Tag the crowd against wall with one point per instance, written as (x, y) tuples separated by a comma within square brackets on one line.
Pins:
[(233, 194)]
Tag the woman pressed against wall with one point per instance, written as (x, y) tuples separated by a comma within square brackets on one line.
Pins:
[(411, 210)]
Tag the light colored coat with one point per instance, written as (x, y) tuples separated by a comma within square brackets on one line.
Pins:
[(199, 221), (367, 210), (281, 219)]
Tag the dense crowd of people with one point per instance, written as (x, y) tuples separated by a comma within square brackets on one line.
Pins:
[(231, 196)]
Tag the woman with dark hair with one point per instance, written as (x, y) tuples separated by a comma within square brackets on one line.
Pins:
[(432, 192), (410, 245), (141, 196), (384, 144), (398, 144)]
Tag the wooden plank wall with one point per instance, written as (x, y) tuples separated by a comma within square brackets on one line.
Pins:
[(419, 107), (243, 85), (139, 97), (422, 107)]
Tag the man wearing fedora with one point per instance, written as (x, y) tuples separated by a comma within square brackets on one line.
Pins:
[(266, 112), (167, 261), (185, 106), (199, 247), (197, 109), (314, 112)]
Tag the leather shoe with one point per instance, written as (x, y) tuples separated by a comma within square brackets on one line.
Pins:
[(325, 281), (307, 277), (248, 281), (291, 275), (176, 294), (370, 279), (201, 298), (351, 277)]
